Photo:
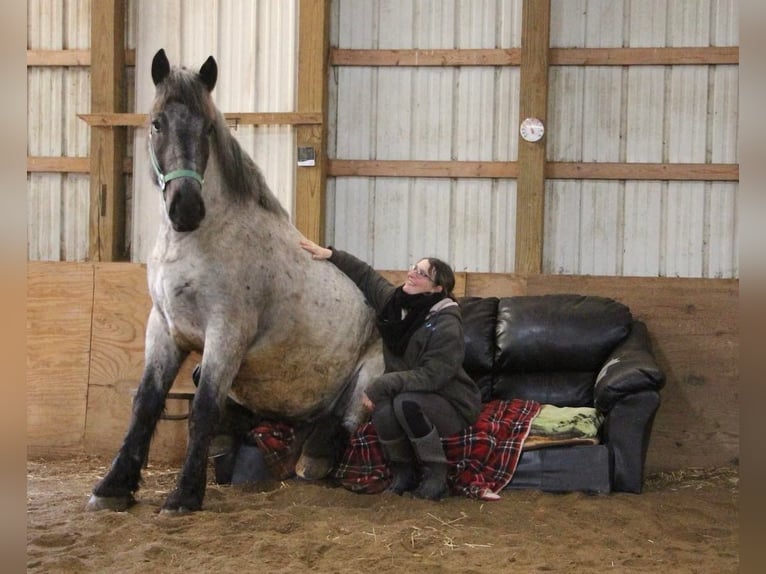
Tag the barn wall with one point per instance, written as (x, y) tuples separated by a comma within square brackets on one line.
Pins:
[(683, 113), (448, 113), (633, 114), (85, 335), (669, 114), (57, 203)]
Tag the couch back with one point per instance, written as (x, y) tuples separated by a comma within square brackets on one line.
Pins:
[(547, 348)]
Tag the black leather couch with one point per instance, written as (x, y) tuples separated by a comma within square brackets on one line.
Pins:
[(563, 350), (577, 351)]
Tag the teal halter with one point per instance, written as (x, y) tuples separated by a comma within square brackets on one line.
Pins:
[(164, 178)]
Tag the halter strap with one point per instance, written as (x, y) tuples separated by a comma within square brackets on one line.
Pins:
[(164, 178)]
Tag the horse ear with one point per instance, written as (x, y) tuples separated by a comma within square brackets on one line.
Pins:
[(160, 66), (208, 73)]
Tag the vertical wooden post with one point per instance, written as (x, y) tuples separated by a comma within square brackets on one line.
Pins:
[(533, 103), (313, 49), (107, 145)]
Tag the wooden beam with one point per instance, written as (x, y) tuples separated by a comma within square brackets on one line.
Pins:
[(464, 169), (533, 103), (107, 146), (114, 119), (58, 165), (707, 55), (676, 56), (643, 171), (310, 180), (553, 170), (414, 168), (72, 58), (464, 57), (68, 165), (694, 55)]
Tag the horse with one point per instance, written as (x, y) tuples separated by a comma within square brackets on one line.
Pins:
[(279, 333)]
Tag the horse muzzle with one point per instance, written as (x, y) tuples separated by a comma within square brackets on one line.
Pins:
[(187, 209)]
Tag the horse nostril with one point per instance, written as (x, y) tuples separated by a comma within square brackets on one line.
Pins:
[(187, 210)]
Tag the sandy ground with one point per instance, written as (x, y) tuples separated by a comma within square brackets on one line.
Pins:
[(683, 522)]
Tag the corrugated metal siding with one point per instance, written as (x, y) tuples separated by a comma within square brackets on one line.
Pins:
[(676, 114), (57, 204), (254, 44), (601, 114), (635, 114), (425, 114)]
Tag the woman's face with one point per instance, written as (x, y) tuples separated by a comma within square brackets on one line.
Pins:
[(419, 279)]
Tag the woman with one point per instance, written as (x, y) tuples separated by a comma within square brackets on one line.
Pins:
[(424, 393)]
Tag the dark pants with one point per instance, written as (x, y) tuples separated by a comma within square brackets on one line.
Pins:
[(414, 415)]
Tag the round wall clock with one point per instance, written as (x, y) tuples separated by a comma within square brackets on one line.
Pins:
[(532, 129)]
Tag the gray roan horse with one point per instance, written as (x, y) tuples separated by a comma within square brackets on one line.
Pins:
[(279, 333)]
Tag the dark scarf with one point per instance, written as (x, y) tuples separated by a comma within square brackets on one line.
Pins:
[(394, 330)]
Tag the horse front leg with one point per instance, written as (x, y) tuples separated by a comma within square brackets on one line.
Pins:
[(162, 362), (217, 371)]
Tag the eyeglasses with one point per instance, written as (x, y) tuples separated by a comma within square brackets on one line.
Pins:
[(420, 272)]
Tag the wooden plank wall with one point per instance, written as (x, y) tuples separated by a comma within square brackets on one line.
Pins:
[(59, 311), (85, 332)]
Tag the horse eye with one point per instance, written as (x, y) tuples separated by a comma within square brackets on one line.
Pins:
[(156, 125)]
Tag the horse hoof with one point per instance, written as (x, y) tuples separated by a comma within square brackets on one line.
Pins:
[(115, 503), (310, 468), (180, 511)]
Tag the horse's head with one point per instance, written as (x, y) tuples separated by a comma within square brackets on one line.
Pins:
[(181, 123)]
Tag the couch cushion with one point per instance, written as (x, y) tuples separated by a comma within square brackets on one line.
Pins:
[(544, 333), (479, 328), (564, 469), (563, 389)]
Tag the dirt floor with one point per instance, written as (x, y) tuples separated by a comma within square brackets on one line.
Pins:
[(683, 522)]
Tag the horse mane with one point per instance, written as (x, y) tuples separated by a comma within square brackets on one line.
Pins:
[(242, 176)]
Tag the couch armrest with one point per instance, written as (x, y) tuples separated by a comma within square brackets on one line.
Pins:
[(626, 432), (631, 368)]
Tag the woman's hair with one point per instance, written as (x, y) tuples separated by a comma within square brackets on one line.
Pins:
[(442, 274)]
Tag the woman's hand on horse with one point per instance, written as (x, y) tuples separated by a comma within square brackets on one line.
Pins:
[(367, 403), (317, 251)]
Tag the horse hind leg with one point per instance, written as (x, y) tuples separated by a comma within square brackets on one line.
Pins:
[(320, 449)]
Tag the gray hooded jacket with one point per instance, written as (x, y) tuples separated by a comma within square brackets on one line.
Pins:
[(433, 359)]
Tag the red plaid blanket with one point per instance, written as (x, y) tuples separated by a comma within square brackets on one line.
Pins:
[(482, 458)]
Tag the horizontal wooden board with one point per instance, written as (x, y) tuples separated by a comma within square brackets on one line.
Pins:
[(58, 165), (699, 55), (114, 119), (443, 57), (47, 58), (643, 171), (553, 170), (68, 165)]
